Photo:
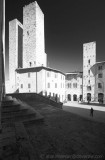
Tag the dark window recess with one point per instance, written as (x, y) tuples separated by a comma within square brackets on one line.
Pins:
[(89, 61), (88, 71), (21, 85), (99, 85), (99, 67), (29, 85), (30, 64), (89, 88), (29, 74), (28, 33), (100, 75), (55, 85), (48, 85)]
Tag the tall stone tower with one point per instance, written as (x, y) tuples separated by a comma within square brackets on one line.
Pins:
[(89, 59), (15, 50), (33, 36)]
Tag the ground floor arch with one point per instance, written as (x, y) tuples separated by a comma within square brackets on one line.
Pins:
[(88, 96), (69, 97), (74, 97), (100, 97)]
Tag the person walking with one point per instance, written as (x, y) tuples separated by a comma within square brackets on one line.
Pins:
[(91, 112)]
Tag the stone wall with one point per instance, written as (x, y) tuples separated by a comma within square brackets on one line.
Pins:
[(33, 39), (13, 52)]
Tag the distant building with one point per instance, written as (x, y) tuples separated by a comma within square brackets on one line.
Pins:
[(74, 86), (98, 70)]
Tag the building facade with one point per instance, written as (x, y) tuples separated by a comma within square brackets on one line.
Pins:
[(41, 80), (98, 70), (74, 86)]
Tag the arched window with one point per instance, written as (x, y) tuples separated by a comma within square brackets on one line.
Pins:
[(69, 97), (74, 97), (88, 96)]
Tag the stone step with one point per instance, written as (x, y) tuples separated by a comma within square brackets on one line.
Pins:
[(16, 118), (12, 109), (20, 113), (33, 120), (7, 141), (13, 113), (9, 102)]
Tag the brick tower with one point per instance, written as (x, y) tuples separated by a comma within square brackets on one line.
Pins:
[(15, 50), (89, 59), (33, 36)]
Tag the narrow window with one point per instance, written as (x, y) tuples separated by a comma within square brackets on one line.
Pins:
[(70, 85), (21, 85), (29, 85), (55, 85), (89, 72), (29, 74), (48, 74), (48, 85), (30, 64), (89, 61), (99, 85)]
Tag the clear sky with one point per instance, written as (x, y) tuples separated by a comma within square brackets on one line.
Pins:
[(68, 24)]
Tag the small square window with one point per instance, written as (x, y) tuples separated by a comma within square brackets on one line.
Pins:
[(99, 85), (89, 88), (100, 75), (99, 67)]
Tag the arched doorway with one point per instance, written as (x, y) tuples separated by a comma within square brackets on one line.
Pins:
[(74, 97), (69, 97), (80, 97), (88, 96), (100, 97)]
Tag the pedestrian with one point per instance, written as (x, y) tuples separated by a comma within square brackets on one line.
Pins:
[(91, 112)]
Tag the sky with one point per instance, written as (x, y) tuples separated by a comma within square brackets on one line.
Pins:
[(68, 25)]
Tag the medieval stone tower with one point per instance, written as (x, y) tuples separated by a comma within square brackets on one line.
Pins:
[(89, 59), (33, 36), (15, 50)]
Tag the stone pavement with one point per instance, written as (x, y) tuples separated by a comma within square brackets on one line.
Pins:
[(84, 111)]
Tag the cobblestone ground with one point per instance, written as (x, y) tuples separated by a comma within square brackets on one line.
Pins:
[(64, 135)]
